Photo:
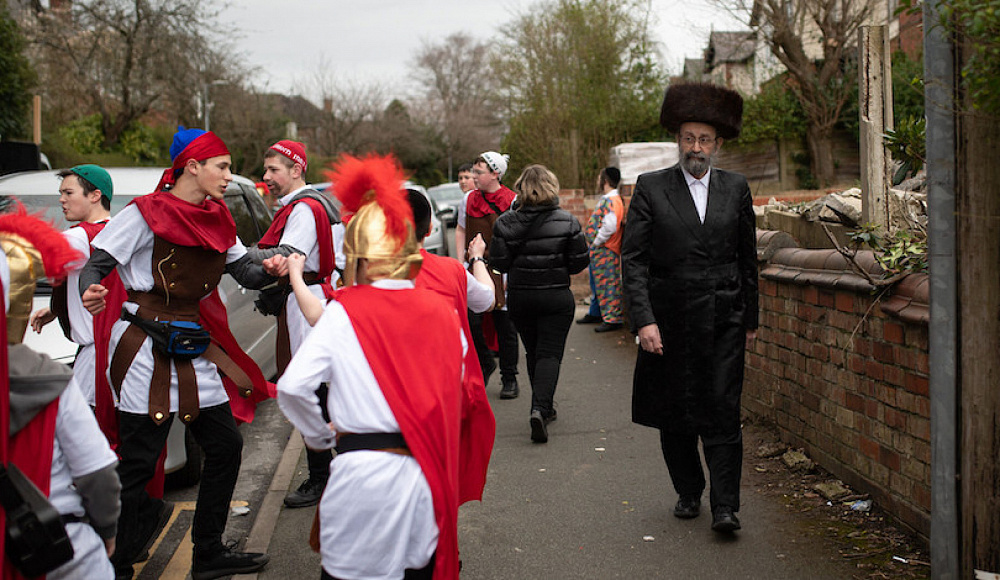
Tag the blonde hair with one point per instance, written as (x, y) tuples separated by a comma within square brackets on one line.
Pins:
[(537, 186)]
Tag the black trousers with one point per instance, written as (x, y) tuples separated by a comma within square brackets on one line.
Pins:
[(724, 457), (543, 319), (425, 573), (142, 440), (319, 461), (506, 340)]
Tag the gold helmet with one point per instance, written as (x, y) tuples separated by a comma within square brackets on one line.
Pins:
[(34, 250), (378, 217)]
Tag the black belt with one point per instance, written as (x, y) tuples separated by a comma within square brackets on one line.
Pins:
[(347, 442), (73, 519)]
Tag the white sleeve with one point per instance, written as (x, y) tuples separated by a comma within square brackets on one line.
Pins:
[(461, 211), (338, 245), (480, 296), (78, 240), (83, 444), (5, 279), (310, 366), (300, 229), (125, 235), (236, 251), (608, 228)]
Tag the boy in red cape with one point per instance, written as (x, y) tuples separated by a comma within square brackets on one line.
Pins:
[(171, 247), (391, 505)]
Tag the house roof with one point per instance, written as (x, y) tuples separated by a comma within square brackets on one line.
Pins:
[(729, 47)]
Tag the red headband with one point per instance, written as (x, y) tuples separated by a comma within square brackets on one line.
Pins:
[(206, 146), (293, 150)]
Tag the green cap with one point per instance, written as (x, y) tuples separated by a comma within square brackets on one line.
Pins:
[(98, 177)]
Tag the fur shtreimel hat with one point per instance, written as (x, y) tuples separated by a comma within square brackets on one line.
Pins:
[(702, 103)]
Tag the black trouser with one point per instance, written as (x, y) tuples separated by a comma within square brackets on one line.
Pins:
[(506, 340), (724, 457), (319, 461), (425, 573), (543, 319), (142, 440)]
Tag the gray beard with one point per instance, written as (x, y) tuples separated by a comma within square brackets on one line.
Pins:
[(697, 167)]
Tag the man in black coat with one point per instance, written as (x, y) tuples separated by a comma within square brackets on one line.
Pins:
[(690, 283)]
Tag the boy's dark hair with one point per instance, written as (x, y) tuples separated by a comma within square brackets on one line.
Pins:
[(467, 167), (612, 176), (421, 213), (87, 186)]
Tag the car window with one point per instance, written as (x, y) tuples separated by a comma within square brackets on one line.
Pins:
[(48, 206), (246, 225)]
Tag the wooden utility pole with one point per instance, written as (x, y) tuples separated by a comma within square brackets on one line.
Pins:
[(36, 119), (875, 100)]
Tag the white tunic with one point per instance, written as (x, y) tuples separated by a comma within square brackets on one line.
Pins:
[(81, 322), (79, 449), (130, 241), (377, 512), (300, 233)]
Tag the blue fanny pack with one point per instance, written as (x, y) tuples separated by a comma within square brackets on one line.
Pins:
[(176, 339)]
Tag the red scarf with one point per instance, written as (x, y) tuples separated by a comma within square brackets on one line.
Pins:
[(207, 225), (215, 319), (324, 236), (478, 206), (446, 276), (426, 400), (4, 411)]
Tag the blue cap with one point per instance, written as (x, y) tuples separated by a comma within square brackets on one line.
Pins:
[(182, 138)]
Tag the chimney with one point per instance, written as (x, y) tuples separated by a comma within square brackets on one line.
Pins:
[(327, 105)]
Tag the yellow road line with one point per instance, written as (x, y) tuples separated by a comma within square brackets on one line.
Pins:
[(185, 547)]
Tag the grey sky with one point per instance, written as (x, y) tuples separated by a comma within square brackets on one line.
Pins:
[(377, 39)]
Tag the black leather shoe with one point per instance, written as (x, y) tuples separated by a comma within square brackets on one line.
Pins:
[(227, 563), (509, 389), (606, 327), (539, 434), (724, 520), (308, 493), (688, 506), (588, 319)]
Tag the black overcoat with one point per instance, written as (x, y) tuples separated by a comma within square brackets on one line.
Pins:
[(698, 283)]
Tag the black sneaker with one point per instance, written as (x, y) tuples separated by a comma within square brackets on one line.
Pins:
[(688, 506), (227, 563), (608, 326), (309, 493), (539, 434), (724, 520), (588, 319), (509, 389)]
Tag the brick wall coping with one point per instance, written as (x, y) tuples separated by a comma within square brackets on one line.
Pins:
[(910, 300), (823, 268)]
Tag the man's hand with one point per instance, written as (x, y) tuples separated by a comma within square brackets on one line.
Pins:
[(276, 265), (649, 339), (40, 318), (109, 546), (93, 298), (477, 247), (751, 336)]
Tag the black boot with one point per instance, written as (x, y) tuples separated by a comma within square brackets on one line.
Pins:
[(509, 389), (308, 493), (227, 563)]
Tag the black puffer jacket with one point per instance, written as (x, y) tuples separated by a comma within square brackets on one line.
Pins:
[(538, 247)]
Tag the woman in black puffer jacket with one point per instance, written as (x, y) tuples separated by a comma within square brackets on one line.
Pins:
[(538, 246)]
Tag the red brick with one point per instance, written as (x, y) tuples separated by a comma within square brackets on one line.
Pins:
[(923, 363), (844, 301), (895, 375), (922, 495), (883, 352), (768, 288), (872, 408), (827, 299), (874, 369), (820, 352), (863, 346), (854, 402), (895, 419), (923, 406), (893, 332), (920, 428), (888, 458), (810, 294), (917, 384), (856, 363), (868, 447), (810, 400)]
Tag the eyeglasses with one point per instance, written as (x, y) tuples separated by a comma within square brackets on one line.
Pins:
[(481, 171), (703, 141)]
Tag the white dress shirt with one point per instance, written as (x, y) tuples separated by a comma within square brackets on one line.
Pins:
[(699, 191)]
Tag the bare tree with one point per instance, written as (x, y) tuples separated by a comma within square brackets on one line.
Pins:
[(454, 77), (122, 58), (815, 40)]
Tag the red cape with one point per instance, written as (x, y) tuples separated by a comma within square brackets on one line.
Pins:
[(206, 225), (446, 276), (324, 236), (477, 206), (426, 400)]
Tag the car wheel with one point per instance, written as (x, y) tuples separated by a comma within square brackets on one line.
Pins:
[(190, 474)]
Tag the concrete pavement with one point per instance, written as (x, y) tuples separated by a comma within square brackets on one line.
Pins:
[(594, 502)]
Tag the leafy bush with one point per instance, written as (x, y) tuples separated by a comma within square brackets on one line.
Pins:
[(774, 113), (908, 145), (900, 251)]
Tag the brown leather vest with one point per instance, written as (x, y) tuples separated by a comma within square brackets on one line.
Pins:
[(484, 225)]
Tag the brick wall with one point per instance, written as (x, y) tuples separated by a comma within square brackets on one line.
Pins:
[(842, 369)]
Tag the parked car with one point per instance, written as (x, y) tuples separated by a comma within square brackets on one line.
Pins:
[(436, 241), (38, 191), (448, 196)]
